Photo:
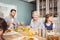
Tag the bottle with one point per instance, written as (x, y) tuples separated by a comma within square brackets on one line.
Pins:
[(39, 32), (44, 32)]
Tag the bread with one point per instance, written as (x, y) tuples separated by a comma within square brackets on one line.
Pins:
[(30, 39)]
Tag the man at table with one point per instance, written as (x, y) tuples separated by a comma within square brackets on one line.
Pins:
[(11, 20)]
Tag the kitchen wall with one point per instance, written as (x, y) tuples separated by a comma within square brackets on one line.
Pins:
[(23, 9)]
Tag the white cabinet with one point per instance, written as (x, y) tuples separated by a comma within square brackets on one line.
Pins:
[(47, 6)]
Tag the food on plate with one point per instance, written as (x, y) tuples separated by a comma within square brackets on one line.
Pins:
[(24, 38), (52, 37), (26, 28), (48, 30), (30, 33), (8, 30), (27, 38), (30, 39), (21, 29), (16, 29)]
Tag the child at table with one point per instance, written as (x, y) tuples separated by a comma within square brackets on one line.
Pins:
[(3, 27), (49, 25)]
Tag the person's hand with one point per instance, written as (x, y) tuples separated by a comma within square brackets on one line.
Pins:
[(28, 26)]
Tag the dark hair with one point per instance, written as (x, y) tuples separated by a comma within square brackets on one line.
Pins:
[(47, 16), (13, 10), (3, 24)]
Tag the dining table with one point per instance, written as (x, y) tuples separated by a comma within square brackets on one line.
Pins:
[(15, 35)]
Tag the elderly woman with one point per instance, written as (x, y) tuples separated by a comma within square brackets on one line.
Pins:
[(36, 21)]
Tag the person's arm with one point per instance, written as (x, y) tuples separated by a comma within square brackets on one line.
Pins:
[(20, 23), (54, 28)]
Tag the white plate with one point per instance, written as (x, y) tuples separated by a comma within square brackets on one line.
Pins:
[(19, 38), (10, 33)]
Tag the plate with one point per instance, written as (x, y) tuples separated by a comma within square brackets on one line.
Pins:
[(10, 33), (19, 38)]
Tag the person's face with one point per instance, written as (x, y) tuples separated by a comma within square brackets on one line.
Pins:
[(13, 13), (1, 32), (50, 19), (35, 16)]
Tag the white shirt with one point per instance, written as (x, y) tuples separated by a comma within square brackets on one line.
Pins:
[(37, 24)]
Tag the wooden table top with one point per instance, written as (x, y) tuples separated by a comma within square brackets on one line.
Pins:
[(22, 33)]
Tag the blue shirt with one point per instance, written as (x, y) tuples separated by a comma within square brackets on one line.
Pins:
[(37, 24), (50, 27)]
